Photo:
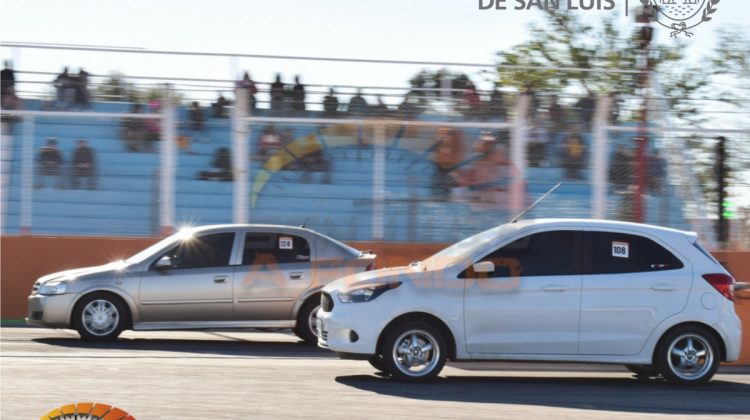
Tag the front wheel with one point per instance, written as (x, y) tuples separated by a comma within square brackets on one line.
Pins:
[(100, 316), (307, 321), (688, 356), (414, 351), (377, 362)]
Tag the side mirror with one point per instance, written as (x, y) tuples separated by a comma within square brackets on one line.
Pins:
[(484, 267), (164, 263)]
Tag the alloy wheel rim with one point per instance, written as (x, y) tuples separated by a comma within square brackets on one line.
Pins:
[(313, 321), (416, 353), (690, 356), (100, 317)]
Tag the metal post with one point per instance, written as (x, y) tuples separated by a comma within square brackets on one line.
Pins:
[(27, 174), (168, 154), (518, 154), (378, 184), (721, 172), (600, 158), (240, 154)]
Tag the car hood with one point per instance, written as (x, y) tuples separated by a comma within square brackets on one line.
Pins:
[(384, 275), (83, 272)]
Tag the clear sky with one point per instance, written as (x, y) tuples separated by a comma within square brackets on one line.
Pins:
[(434, 30)]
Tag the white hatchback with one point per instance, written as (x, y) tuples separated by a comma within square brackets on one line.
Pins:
[(563, 290)]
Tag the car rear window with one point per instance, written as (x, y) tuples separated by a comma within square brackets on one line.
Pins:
[(274, 248), (615, 252)]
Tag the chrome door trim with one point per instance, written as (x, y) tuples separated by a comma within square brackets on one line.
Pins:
[(183, 302), (279, 299), (201, 325)]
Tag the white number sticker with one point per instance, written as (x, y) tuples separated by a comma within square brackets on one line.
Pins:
[(285, 242), (621, 249)]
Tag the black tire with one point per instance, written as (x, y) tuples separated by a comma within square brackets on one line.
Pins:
[(377, 362), (688, 355), (643, 371), (304, 329), (100, 316), (414, 336)]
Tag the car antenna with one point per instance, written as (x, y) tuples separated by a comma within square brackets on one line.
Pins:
[(528, 209), (305, 222)]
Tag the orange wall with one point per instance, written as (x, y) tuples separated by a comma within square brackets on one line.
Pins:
[(25, 258)]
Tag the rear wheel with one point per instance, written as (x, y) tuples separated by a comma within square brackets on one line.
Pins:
[(688, 356), (307, 320), (414, 351), (100, 316)]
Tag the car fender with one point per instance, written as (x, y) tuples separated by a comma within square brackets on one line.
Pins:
[(125, 296)]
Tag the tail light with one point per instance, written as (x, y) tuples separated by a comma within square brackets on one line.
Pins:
[(723, 283), (370, 266)]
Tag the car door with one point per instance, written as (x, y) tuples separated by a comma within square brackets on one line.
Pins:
[(633, 284), (530, 303), (196, 286), (275, 270)]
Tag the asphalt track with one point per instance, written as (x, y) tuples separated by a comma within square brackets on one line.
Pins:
[(208, 375)]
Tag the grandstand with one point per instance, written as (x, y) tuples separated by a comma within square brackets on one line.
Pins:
[(337, 201)]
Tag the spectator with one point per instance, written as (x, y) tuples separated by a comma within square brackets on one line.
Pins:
[(380, 108), (133, 131), (447, 155), (621, 169), (312, 159), (220, 107), (277, 93), (496, 107), (556, 114), (50, 163), (488, 175), (153, 126), (585, 109), (408, 108), (537, 145), (573, 154), (197, 118), (614, 112), (66, 89), (7, 80), (472, 101), (247, 83), (357, 105), (656, 171), (222, 164), (83, 166), (82, 95), (298, 95), (269, 143), (330, 103), (530, 93)]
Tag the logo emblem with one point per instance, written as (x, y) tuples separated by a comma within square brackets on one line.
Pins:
[(681, 15)]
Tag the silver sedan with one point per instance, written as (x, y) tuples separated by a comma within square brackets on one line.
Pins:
[(221, 276)]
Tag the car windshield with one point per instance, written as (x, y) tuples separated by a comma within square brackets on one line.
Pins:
[(148, 252), (461, 249)]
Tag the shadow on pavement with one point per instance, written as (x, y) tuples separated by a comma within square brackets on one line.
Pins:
[(612, 394), (229, 346)]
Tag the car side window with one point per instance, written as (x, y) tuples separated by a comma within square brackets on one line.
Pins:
[(212, 250), (554, 253), (615, 253), (274, 248)]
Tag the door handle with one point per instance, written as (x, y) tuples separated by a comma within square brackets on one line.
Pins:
[(663, 287), (220, 279), (296, 275), (554, 288)]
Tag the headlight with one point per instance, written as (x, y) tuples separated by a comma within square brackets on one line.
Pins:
[(367, 293), (56, 287)]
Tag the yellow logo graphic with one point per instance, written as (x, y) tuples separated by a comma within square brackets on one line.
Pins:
[(87, 411)]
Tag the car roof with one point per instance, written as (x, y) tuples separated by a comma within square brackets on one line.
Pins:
[(605, 224)]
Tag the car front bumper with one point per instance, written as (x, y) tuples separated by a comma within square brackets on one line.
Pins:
[(352, 329), (50, 311)]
